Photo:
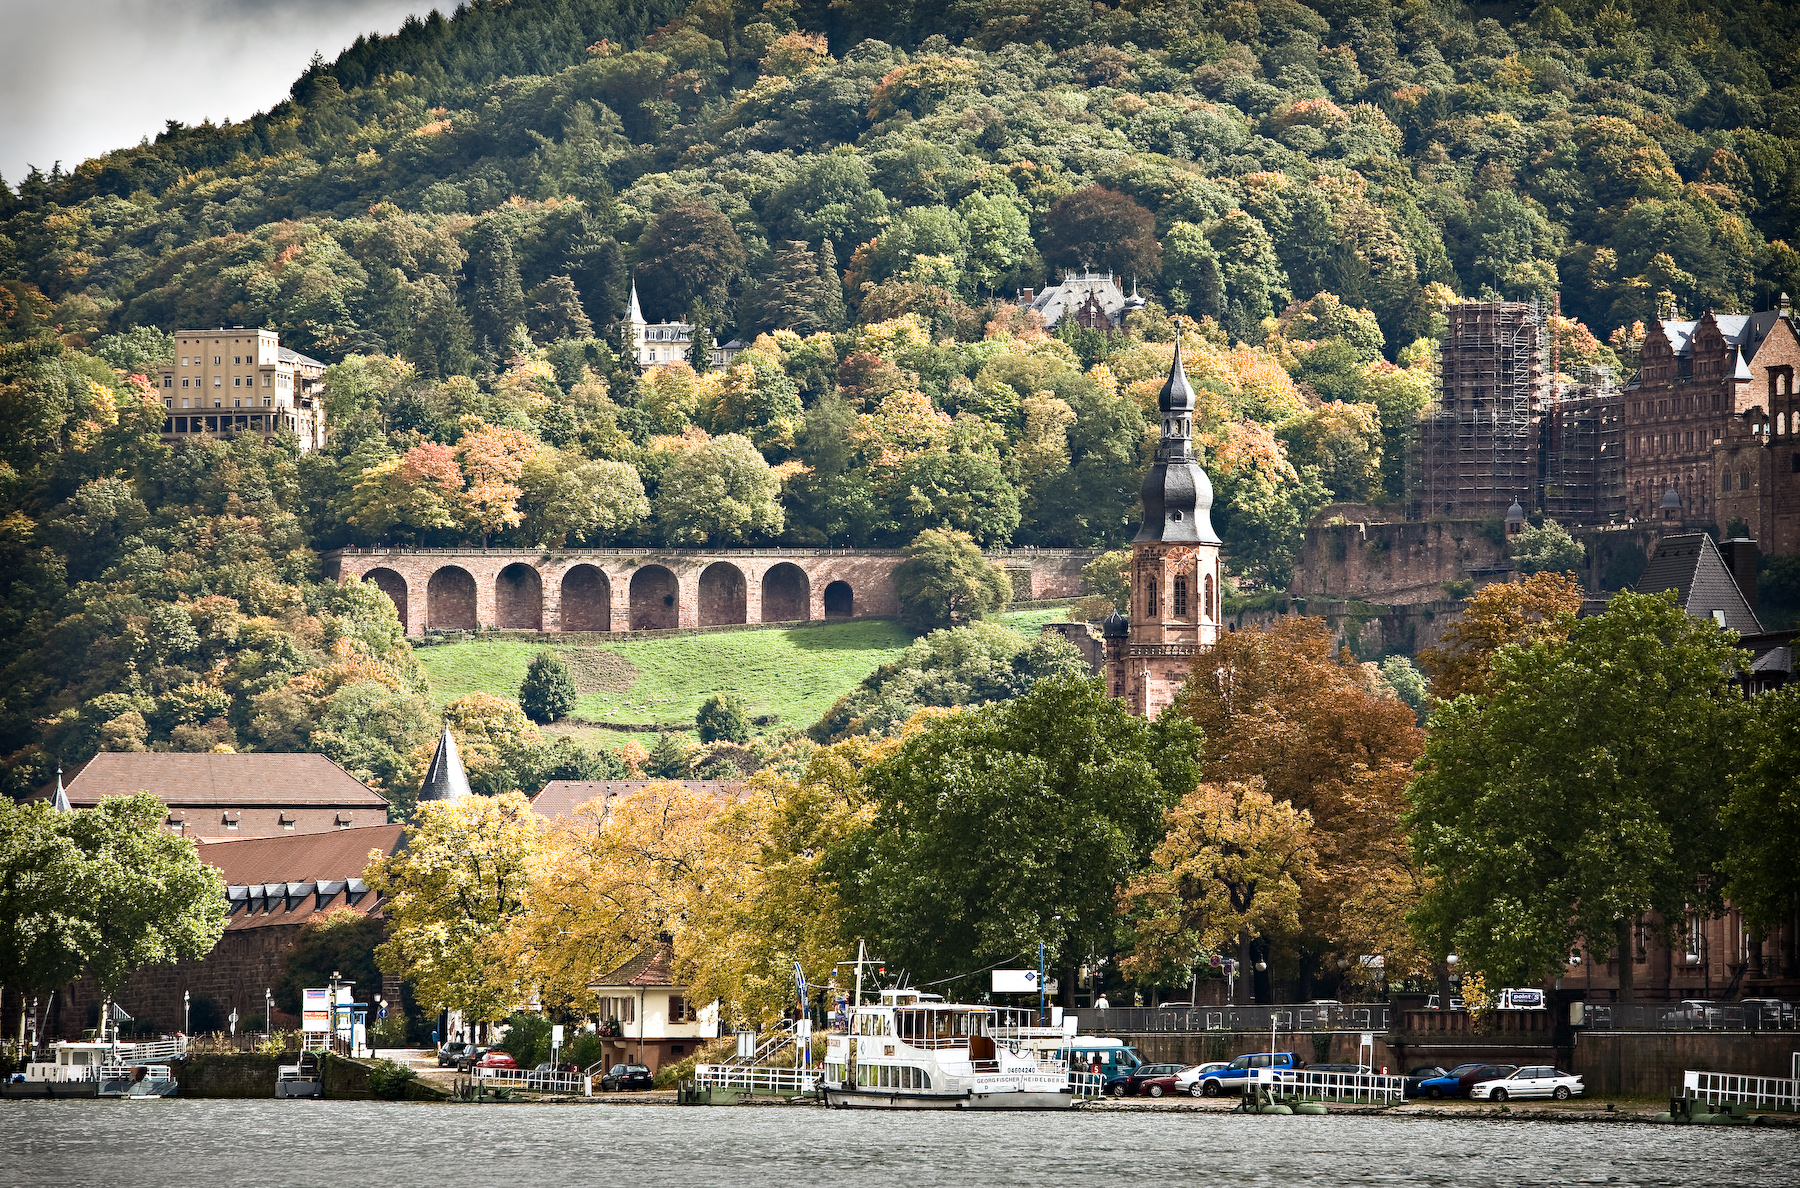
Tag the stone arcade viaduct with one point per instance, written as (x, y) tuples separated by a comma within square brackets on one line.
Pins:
[(659, 589)]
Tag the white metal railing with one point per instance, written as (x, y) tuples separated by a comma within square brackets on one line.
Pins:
[(1778, 1093), (755, 1078), (1357, 1087), (535, 1082), (1087, 1084), (155, 1052)]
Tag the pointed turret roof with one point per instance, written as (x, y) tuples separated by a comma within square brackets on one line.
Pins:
[(445, 779), (59, 802), (635, 313), (1177, 496)]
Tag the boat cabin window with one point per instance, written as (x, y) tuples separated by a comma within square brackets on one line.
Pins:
[(872, 1024), (937, 1027)]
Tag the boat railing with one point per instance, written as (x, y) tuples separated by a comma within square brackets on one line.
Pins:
[(755, 1078), (154, 1052)]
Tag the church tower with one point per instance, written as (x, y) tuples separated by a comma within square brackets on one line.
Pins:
[(1175, 591)]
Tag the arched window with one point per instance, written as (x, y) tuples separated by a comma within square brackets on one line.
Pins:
[(1744, 479), (1725, 481), (1207, 604), (1152, 607), (1181, 597)]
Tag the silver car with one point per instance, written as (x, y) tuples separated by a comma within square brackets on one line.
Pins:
[(1531, 1081)]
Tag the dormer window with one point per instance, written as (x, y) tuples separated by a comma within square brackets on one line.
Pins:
[(1176, 516), (287, 821), (229, 820)]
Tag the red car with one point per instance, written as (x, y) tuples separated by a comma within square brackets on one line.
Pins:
[(495, 1060)]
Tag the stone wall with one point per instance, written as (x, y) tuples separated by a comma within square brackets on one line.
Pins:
[(244, 963), (649, 589), (1650, 1064), (1395, 562)]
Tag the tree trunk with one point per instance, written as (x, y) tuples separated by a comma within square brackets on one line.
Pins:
[(1068, 989), (1627, 942), (1308, 962), (1443, 985), (1246, 971)]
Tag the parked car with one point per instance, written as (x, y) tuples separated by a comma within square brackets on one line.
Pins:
[(495, 1061), (1188, 1079), (1415, 1080), (626, 1076), (449, 1054), (1456, 1004), (1151, 1080), (1459, 1080), (472, 1053), (1520, 999), (1233, 1077), (1535, 1081), (1770, 1014), (1698, 1012)]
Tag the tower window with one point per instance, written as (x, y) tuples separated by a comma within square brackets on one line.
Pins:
[(1207, 604), (1151, 605), (1181, 598)]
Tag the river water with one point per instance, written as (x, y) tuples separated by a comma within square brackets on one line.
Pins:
[(200, 1144)]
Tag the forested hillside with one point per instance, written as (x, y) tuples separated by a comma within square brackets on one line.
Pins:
[(451, 217)]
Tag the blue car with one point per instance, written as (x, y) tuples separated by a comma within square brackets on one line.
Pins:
[(1233, 1077), (1459, 1080)]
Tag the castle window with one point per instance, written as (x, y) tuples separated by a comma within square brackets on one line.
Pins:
[(1725, 479), (1206, 605), (1181, 598), (1151, 605), (1744, 479)]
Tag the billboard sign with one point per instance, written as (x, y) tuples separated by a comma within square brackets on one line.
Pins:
[(315, 1010), (1015, 981)]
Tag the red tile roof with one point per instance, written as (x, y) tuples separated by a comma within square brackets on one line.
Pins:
[(560, 798), (300, 858), (269, 779), (648, 968)]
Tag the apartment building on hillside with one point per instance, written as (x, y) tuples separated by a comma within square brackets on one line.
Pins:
[(242, 380)]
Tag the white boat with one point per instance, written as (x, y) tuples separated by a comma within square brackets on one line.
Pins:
[(915, 1051), (103, 1069)]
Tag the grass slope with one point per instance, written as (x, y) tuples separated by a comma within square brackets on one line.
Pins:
[(794, 675)]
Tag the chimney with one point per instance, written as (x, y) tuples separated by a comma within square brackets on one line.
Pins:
[(1741, 557)]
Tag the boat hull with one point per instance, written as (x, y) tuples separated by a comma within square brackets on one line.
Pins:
[(894, 1099), (49, 1089)]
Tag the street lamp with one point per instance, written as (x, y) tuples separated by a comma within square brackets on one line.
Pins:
[(233, 1020), (380, 1014), (185, 1004), (268, 1012)]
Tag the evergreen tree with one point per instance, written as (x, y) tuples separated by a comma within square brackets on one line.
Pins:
[(789, 299), (556, 311), (496, 299), (597, 266), (548, 692), (828, 305), (672, 758)]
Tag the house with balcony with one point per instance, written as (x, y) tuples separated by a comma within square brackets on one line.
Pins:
[(646, 1016)]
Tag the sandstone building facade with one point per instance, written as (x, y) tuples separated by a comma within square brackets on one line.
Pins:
[(241, 381)]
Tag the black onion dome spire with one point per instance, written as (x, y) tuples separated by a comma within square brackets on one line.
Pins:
[(1176, 493)]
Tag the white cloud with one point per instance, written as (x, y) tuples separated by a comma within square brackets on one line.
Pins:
[(82, 77)]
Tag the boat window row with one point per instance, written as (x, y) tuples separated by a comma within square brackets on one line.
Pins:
[(935, 1027), (882, 1076)]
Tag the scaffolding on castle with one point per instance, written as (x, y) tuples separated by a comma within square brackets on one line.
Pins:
[(1477, 448), (1584, 452)]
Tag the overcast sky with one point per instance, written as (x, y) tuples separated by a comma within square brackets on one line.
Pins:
[(81, 77)]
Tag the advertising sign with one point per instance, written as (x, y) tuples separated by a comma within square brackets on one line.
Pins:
[(1015, 981), (315, 1010)]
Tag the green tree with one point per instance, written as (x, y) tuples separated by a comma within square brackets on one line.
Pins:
[(723, 716), (1000, 828), (722, 492), (1579, 793), (339, 942), (946, 582), (1549, 549), (556, 311), (1763, 816), (1408, 684), (149, 898), (672, 758), (44, 901), (690, 255), (496, 300), (527, 1038), (548, 691)]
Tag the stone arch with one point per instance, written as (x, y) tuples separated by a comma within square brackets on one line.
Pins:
[(655, 599), (786, 594), (586, 600), (450, 599), (519, 598), (394, 586), (724, 595), (840, 601)]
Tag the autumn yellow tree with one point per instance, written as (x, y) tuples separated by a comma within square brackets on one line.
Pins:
[(620, 874), (1326, 736), (1543, 606), (1228, 872), (453, 893)]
